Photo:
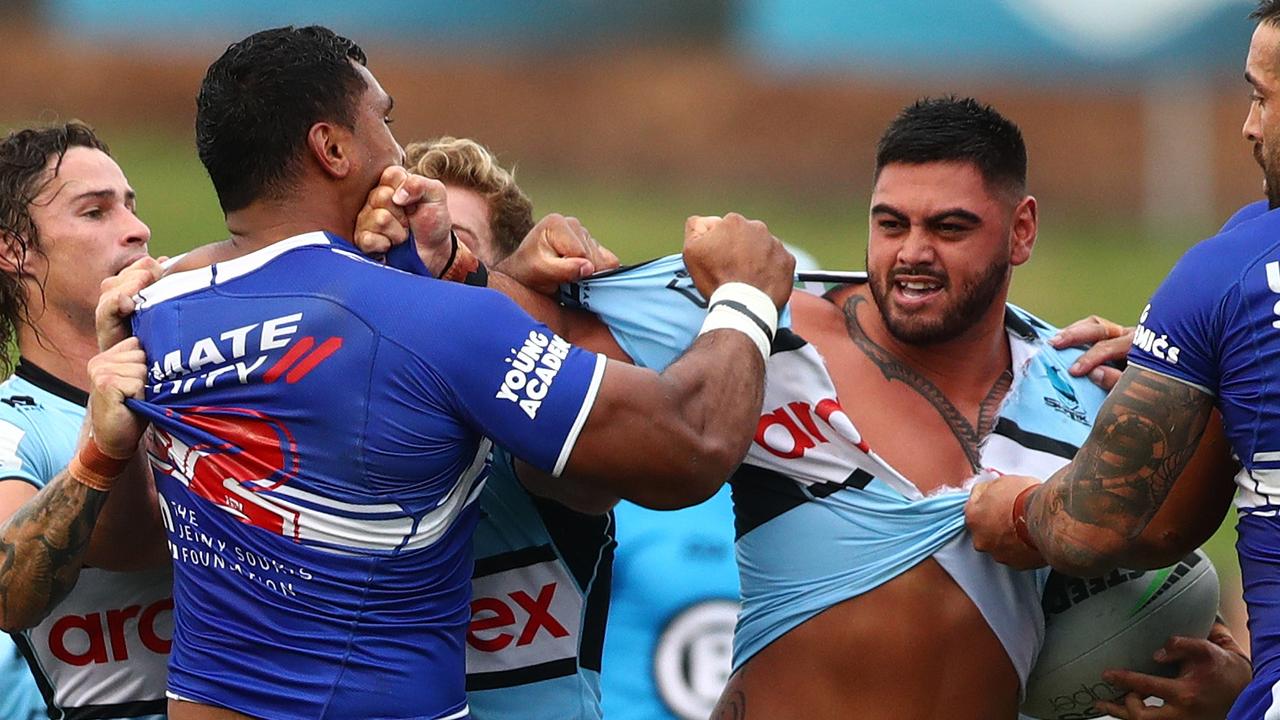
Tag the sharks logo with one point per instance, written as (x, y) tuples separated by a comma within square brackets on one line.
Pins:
[(1066, 402)]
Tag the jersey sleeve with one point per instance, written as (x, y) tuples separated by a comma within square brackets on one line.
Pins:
[(512, 378), (22, 454), (1180, 330), (653, 309)]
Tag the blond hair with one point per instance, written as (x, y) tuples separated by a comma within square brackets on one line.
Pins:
[(468, 164)]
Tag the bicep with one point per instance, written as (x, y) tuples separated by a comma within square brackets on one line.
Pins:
[(1195, 505), (669, 440), (633, 410), (1145, 434), (510, 378)]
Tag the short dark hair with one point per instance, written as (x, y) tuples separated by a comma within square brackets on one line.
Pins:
[(259, 100), (24, 154), (1268, 11), (951, 129)]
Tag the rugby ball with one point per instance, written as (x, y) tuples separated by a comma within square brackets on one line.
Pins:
[(1115, 621)]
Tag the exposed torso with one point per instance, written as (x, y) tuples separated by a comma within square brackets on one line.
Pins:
[(913, 435)]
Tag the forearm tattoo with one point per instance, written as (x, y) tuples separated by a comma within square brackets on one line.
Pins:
[(1143, 437), (967, 434), (42, 548)]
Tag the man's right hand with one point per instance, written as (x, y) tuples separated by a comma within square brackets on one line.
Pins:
[(557, 250), (989, 517), (1212, 673), (401, 202), (735, 249)]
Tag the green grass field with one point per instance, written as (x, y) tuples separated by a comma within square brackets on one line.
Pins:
[(1081, 266)]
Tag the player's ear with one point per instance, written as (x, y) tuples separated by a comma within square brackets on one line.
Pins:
[(1023, 231), (329, 145), (11, 254)]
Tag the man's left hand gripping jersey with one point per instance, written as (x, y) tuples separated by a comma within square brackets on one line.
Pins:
[(319, 438)]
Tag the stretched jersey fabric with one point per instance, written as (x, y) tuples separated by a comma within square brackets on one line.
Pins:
[(811, 481), (101, 653), (675, 601), (675, 583), (319, 427), (1214, 323), (540, 597)]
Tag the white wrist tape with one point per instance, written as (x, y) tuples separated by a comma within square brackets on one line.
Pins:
[(747, 309)]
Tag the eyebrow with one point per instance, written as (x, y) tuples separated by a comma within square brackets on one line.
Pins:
[(1249, 78), (129, 195), (391, 103), (956, 212), (881, 208)]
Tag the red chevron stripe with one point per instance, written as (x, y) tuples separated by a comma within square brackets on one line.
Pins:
[(327, 348), (289, 359)]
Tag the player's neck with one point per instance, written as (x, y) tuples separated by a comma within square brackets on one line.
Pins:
[(61, 349), (964, 365), (265, 223)]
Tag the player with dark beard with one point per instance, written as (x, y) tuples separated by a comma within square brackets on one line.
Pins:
[(848, 554), (1206, 341)]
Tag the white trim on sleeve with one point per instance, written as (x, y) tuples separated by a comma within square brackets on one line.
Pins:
[(587, 403)]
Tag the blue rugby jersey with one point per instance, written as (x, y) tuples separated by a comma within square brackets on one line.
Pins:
[(540, 597), (319, 428), (1214, 323), (101, 652)]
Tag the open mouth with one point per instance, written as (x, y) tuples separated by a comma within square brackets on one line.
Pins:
[(918, 289)]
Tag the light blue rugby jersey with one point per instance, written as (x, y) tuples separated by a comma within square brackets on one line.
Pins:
[(820, 519), (674, 603), (101, 652), (668, 649), (540, 597), (22, 402)]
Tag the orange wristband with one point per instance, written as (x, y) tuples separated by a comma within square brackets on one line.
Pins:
[(463, 263), (1020, 517), (94, 468)]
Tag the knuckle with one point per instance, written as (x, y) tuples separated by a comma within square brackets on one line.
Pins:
[(382, 196)]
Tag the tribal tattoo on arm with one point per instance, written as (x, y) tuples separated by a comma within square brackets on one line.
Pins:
[(1085, 516), (42, 549)]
